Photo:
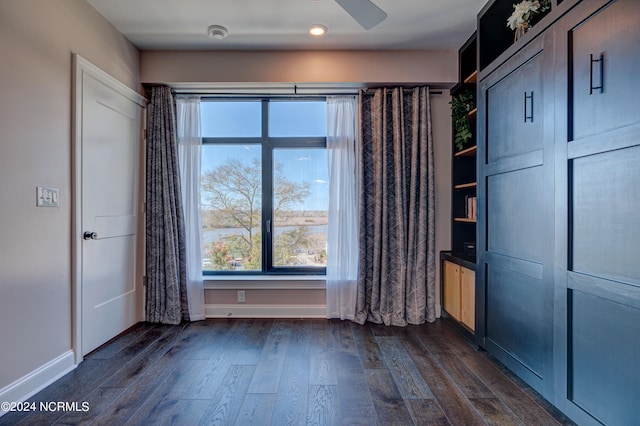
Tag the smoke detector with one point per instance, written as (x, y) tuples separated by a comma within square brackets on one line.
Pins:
[(217, 32)]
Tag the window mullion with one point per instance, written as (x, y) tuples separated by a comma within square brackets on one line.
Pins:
[(267, 191)]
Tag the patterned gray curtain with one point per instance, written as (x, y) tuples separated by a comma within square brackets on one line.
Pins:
[(166, 295), (396, 283)]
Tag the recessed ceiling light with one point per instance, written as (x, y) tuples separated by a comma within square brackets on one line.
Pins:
[(217, 32), (317, 30)]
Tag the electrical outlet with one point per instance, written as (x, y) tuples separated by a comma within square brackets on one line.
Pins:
[(241, 298)]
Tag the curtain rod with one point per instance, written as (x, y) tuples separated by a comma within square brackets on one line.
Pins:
[(370, 90), (277, 89), (206, 94)]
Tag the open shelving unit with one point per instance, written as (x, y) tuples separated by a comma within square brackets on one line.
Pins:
[(463, 166), (459, 264)]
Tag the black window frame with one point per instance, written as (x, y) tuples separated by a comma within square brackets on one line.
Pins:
[(268, 144)]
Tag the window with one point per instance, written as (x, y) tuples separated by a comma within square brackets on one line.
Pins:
[(265, 186)]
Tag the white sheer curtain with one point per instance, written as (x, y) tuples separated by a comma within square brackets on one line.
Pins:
[(189, 157), (342, 244)]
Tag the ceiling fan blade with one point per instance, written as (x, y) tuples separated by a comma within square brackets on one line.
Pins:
[(367, 14)]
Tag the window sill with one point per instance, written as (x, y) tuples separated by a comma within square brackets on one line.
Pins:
[(265, 282)]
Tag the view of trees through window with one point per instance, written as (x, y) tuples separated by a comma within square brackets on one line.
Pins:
[(264, 197)]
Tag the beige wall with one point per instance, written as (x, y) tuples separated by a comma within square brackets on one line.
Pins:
[(441, 117), (37, 39), (224, 69), (411, 67)]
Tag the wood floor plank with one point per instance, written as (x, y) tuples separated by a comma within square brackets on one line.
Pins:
[(380, 330), (322, 406), (269, 368), (124, 340), (404, 372), (210, 377), (227, 401), (167, 396), (355, 404), (534, 396), (124, 353), (144, 380), (346, 338), (185, 412), (390, 407), (223, 352), (354, 399), (324, 334), (322, 368), (291, 401), (324, 343), (346, 352), (253, 339), (98, 403), (368, 348), (203, 336), (138, 365), (454, 404), (427, 412), (495, 412), (256, 409), (465, 379), (512, 395)]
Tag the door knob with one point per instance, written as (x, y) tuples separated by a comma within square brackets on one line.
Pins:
[(88, 235)]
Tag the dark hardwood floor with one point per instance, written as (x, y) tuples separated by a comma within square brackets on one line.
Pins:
[(290, 372)]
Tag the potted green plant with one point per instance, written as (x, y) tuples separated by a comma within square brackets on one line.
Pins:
[(461, 105)]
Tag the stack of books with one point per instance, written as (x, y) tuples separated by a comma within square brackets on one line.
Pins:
[(470, 207)]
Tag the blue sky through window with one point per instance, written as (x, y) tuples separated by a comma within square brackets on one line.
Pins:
[(286, 119), (231, 119), (307, 165), (300, 118)]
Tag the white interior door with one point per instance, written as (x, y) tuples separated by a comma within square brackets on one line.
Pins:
[(109, 184)]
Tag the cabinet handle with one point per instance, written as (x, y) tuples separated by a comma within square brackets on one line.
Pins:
[(601, 86), (528, 98)]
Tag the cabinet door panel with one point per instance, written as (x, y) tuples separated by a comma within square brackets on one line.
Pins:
[(515, 214), (514, 112), (516, 320), (614, 33), (452, 289), (468, 297), (605, 379), (605, 207)]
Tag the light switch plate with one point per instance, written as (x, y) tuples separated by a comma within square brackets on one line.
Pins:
[(47, 197)]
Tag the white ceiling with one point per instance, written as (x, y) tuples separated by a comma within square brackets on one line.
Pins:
[(283, 24)]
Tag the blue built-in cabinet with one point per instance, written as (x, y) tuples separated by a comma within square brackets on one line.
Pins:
[(558, 244)]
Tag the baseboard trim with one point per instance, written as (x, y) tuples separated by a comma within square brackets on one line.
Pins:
[(38, 379), (264, 311)]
